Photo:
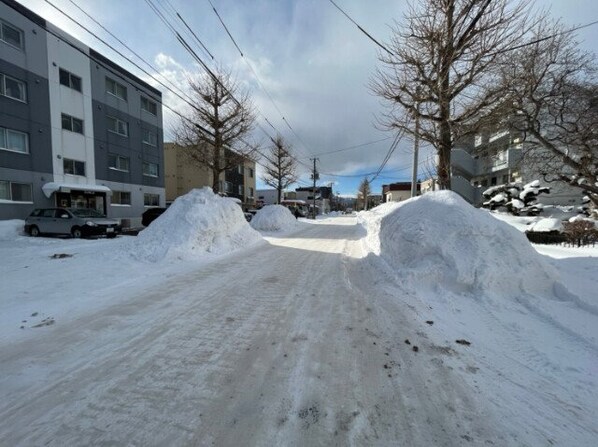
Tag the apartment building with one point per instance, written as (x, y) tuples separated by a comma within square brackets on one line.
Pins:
[(182, 176), (495, 158), (76, 129)]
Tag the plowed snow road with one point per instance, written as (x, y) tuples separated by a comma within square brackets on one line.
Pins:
[(291, 342)]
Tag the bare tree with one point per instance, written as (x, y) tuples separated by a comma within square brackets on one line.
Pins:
[(551, 96), (363, 192), (280, 167), (443, 67), (213, 135)]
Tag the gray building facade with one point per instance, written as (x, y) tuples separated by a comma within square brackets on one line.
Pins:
[(76, 129)]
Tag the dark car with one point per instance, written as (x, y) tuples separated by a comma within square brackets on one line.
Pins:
[(150, 215), (78, 222)]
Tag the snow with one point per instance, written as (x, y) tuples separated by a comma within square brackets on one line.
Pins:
[(197, 223), (197, 333), (274, 218), (441, 239), (546, 225)]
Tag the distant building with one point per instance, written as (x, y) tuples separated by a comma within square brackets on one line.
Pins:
[(323, 195), (182, 176), (495, 158), (396, 192), (268, 197)]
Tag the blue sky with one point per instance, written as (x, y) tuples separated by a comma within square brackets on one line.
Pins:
[(312, 61)]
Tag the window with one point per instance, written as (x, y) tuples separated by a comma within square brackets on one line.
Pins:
[(121, 198), (13, 140), (240, 169), (250, 192), (118, 126), (71, 123), (240, 189), (70, 80), (151, 199), (118, 162), (12, 88), (150, 169), (116, 89), (16, 192), (505, 179), (149, 106), (250, 172), (11, 35), (493, 181), (149, 138), (73, 167)]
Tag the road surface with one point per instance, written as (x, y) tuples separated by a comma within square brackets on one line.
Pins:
[(291, 342)]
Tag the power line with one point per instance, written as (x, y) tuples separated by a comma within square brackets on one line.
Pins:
[(224, 25), (124, 45), (533, 42), (369, 36), (261, 85), (114, 72), (190, 30), (367, 143)]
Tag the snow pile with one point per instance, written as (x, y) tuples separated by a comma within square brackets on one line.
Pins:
[(274, 218), (10, 229), (197, 223), (547, 225), (440, 239)]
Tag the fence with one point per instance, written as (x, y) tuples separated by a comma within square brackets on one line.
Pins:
[(556, 238)]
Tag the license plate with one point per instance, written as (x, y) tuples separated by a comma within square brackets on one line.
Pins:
[(109, 230)]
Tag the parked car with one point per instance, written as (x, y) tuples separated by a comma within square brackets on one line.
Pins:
[(150, 215), (78, 222)]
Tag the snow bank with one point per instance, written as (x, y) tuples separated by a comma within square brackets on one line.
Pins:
[(10, 229), (546, 225), (441, 240), (197, 223), (274, 218)]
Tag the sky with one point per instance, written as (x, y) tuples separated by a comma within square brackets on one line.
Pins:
[(313, 68)]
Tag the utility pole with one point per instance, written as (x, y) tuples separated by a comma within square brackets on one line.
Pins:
[(415, 148), (315, 176)]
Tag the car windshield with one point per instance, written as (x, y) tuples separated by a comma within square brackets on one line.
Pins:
[(86, 212)]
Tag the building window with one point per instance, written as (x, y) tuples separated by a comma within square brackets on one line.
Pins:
[(149, 106), (73, 167), (118, 162), (13, 140), (240, 169), (250, 192), (15, 192), (149, 137), (240, 190), (11, 35), (70, 80), (251, 172), (493, 181), (116, 89), (13, 88), (120, 198), (505, 179), (151, 199), (117, 126), (72, 124), (150, 169)]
